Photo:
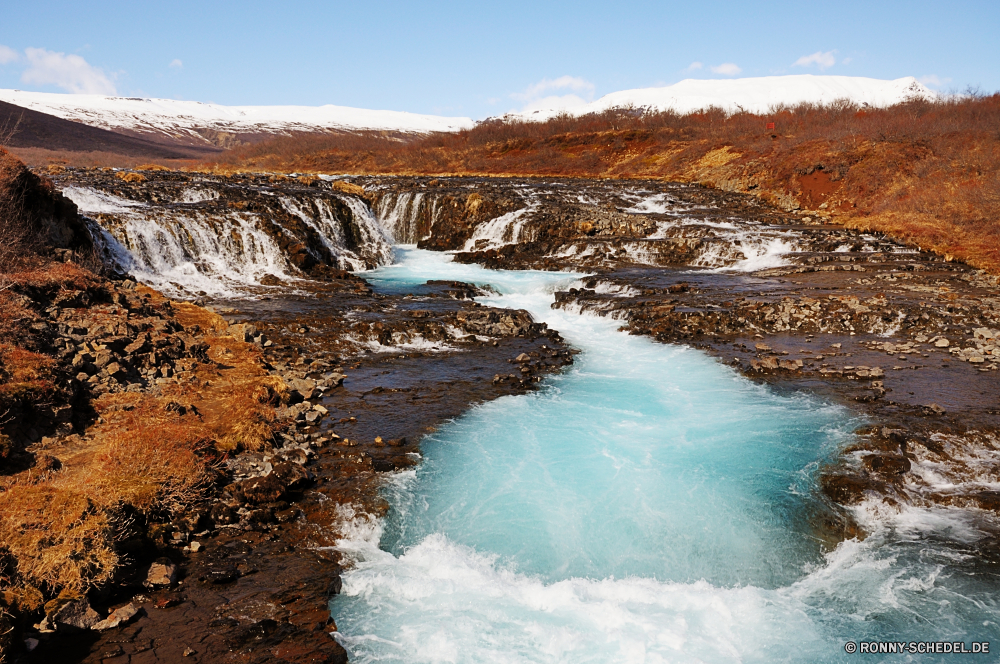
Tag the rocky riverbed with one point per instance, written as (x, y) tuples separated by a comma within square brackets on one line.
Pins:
[(905, 338)]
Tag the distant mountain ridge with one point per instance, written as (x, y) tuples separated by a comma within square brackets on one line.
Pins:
[(755, 95), (32, 129), (197, 123), (167, 128)]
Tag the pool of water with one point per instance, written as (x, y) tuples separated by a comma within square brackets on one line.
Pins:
[(648, 505)]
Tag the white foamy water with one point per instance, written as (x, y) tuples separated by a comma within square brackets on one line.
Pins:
[(648, 505), (186, 251)]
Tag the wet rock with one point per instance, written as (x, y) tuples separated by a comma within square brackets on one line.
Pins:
[(764, 363), (163, 572), (988, 500), (119, 616), (887, 465), (849, 489), (222, 514), (932, 409), (304, 386), (497, 323)]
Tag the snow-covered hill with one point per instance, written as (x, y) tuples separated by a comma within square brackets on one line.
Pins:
[(196, 121), (756, 95)]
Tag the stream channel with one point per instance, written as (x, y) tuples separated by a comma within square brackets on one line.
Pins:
[(647, 505)]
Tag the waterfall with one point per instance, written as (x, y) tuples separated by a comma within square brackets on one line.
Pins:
[(399, 214), (221, 239)]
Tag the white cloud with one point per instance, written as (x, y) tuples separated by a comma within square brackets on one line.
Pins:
[(8, 54), (727, 69), (934, 81), (69, 72), (819, 58), (534, 97), (694, 66), (574, 83), (176, 64)]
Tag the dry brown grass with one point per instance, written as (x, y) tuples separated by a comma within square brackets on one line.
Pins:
[(152, 460), (129, 176), (54, 538), (151, 167), (23, 375)]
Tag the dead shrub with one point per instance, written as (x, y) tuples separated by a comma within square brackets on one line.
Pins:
[(248, 419), (57, 538), (347, 187), (130, 176), (152, 460), (24, 376)]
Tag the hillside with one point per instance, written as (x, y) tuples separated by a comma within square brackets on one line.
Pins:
[(927, 172), (32, 129), (752, 95), (197, 123)]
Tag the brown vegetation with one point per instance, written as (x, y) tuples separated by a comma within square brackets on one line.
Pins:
[(928, 173), (143, 458)]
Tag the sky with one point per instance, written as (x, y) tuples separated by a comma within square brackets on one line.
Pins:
[(479, 59)]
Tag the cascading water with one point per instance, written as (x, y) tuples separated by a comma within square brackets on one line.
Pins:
[(399, 214), (649, 505), (197, 243)]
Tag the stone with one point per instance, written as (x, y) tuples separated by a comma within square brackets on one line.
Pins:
[(985, 333), (190, 651), (790, 365), (320, 409), (163, 572), (523, 357), (115, 371), (976, 359), (119, 616), (76, 614), (304, 386), (313, 416), (243, 331), (942, 343), (933, 409), (764, 363), (762, 347)]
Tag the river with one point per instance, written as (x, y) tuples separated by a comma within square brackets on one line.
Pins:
[(648, 505)]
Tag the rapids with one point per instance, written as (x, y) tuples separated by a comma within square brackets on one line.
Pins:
[(649, 505)]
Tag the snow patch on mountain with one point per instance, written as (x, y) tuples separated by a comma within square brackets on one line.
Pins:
[(193, 119), (755, 95)]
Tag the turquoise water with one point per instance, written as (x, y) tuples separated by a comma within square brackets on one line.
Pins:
[(648, 505)]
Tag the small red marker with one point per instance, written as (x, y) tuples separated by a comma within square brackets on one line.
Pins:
[(770, 125)]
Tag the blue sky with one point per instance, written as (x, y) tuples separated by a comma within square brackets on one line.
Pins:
[(481, 59)]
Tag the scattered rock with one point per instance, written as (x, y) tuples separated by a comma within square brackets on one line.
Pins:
[(119, 616), (76, 614), (163, 572)]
